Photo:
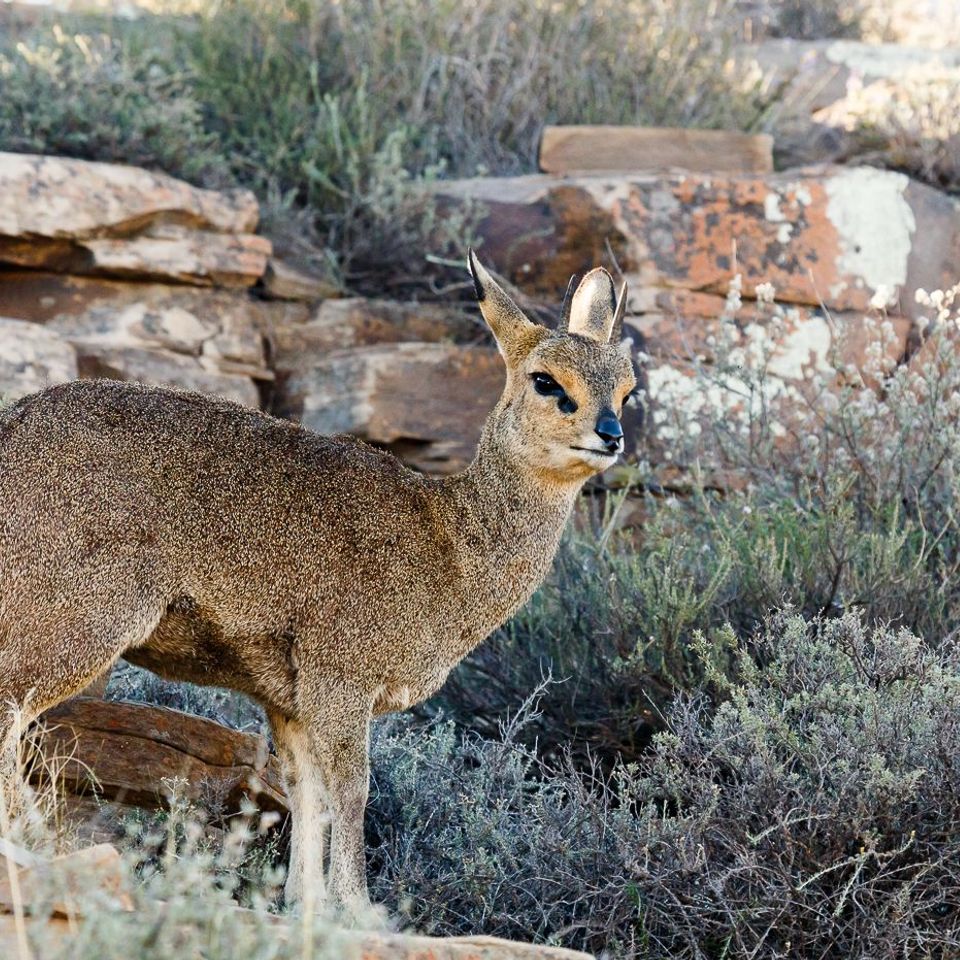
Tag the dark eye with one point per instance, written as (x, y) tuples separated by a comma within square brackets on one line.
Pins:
[(546, 386)]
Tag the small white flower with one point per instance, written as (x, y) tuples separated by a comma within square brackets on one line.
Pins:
[(766, 292), (882, 297)]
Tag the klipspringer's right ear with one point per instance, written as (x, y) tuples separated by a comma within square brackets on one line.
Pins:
[(515, 334)]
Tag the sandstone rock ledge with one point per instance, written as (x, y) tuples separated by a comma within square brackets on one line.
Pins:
[(129, 752), (98, 874), (75, 216)]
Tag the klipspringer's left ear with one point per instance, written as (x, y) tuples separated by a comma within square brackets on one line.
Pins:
[(515, 334), (595, 311)]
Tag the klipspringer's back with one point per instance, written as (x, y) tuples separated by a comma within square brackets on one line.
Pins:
[(95, 469)]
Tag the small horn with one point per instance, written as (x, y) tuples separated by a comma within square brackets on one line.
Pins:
[(616, 334), (564, 323)]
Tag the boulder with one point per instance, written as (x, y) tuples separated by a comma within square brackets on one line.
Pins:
[(584, 148), (75, 216), (32, 358), (821, 236), (425, 401), (125, 752)]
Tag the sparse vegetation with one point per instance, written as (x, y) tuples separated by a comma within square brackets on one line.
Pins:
[(334, 112), (811, 808)]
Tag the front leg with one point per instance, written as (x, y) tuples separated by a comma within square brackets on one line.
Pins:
[(309, 812), (337, 717)]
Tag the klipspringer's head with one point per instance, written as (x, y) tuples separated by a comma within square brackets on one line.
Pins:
[(560, 410)]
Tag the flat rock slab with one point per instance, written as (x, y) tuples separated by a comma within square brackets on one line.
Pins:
[(579, 149), (126, 751), (829, 236), (425, 401), (75, 216), (358, 322)]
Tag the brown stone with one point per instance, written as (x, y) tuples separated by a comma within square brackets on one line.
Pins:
[(355, 322), (74, 216), (579, 149), (72, 878), (827, 236), (426, 402), (285, 282), (127, 750)]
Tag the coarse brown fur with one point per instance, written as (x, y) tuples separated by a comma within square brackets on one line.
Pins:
[(215, 544)]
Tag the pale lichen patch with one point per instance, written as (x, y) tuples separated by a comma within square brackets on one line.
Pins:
[(874, 224)]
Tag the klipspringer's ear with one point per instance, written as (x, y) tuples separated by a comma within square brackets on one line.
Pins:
[(514, 332), (593, 307)]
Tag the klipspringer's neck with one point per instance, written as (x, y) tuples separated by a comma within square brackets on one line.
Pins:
[(513, 490), (507, 524)]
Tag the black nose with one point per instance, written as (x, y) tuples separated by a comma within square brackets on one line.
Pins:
[(608, 429)]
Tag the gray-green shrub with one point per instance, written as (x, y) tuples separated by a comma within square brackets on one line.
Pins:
[(814, 812)]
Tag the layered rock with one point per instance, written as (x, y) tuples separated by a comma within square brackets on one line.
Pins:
[(829, 237), (81, 245), (425, 401), (180, 336), (74, 216)]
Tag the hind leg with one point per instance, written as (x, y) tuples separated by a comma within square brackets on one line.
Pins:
[(54, 654)]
